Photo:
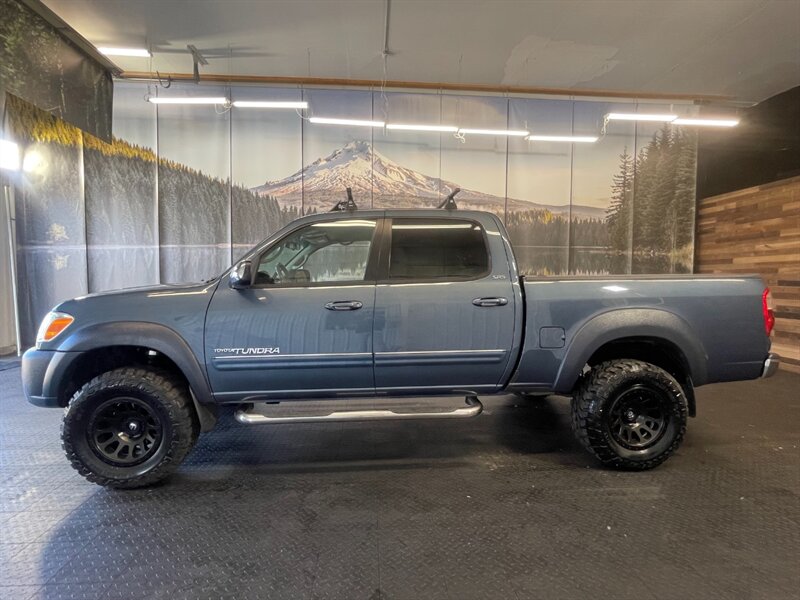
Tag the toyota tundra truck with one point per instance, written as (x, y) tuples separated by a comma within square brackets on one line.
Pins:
[(388, 314)]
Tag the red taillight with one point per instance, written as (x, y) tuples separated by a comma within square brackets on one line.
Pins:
[(767, 310)]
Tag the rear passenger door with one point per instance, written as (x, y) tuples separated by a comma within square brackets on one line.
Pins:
[(444, 313)]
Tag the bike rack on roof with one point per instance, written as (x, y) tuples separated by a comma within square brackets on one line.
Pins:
[(449, 202), (346, 205)]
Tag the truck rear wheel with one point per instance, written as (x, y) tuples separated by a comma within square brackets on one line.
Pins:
[(129, 427), (630, 414)]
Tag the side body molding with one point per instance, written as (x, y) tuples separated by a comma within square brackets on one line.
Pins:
[(631, 323), (160, 338)]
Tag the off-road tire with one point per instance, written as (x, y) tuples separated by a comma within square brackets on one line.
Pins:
[(606, 383), (163, 394)]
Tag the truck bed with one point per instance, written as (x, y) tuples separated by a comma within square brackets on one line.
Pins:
[(714, 321)]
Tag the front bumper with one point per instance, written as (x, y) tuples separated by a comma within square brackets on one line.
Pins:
[(771, 365), (43, 374)]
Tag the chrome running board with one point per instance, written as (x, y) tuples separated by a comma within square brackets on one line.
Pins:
[(259, 413)]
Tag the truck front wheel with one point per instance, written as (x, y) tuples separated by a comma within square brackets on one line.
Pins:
[(630, 414), (129, 427)]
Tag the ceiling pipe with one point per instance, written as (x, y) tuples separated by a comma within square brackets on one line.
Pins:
[(426, 85)]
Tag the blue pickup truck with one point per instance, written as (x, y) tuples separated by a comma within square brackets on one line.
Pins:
[(385, 314)]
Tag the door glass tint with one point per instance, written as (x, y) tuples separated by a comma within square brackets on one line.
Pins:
[(437, 249), (332, 251)]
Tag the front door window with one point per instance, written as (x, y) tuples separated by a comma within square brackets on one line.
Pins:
[(324, 252)]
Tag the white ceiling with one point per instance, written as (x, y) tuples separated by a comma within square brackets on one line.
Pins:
[(747, 49)]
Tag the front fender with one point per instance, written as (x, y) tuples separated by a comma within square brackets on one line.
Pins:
[(149, 335), (631, 323)]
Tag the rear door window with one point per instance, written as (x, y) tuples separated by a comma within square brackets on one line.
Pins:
[(437, 249)]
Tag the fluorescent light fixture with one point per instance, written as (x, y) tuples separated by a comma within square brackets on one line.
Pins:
[(514, 132), (354, 122), (134, 52), (195, 100), (9, 155), (707, 122), (412, 127), (268, 104), (562, 138), (640, 117)]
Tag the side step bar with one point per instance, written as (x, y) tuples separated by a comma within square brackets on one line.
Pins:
[(257, 415)]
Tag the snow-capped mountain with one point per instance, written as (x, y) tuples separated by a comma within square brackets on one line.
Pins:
[(371, 175)]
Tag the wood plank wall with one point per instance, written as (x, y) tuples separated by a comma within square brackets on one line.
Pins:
[(757, 230)]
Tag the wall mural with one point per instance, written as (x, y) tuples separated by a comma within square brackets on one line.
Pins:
[(51, 233), (182, 191)]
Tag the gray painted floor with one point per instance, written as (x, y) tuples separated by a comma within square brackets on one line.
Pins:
[(502, 506)]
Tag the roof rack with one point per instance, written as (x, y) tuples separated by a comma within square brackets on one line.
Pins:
[(449, 202), (346, 205)]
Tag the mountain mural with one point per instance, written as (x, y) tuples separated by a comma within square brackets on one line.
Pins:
[(370, 174)]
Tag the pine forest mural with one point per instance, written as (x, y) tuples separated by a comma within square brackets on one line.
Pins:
[(653, 203)]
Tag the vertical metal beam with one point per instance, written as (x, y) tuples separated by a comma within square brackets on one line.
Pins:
[(386, 52), (12, 258)]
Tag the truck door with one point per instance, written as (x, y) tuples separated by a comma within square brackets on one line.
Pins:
[(304, 326), (444, 307)]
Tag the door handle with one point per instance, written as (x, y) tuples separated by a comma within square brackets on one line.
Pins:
[(490, 301), (344, 305)]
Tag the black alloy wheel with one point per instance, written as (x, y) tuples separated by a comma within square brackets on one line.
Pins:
[(638, 417), (124, 431)]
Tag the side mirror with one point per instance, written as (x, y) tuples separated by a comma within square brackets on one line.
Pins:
[(241, 276)]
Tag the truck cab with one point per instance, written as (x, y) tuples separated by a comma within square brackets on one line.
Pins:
[(381, 302)]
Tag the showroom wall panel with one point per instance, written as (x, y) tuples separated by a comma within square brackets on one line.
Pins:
[(334, 156), (40, 65), (602, 189), (183, 190), (121, 203), (476, 163), (539, 180), (265, 146), (662, 232), (407, 164), (194, 195), (50, 212)]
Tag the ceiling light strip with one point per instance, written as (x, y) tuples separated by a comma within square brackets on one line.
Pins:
[(353, 122), (269, 104), (509, 132), (562, 138), (190, 100), (665, 118), (131, 52), (707, 122), (421, 127)]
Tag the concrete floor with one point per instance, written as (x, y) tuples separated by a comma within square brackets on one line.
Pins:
[(502, 506)]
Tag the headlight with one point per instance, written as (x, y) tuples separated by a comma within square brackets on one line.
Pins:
[(52, 325)]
